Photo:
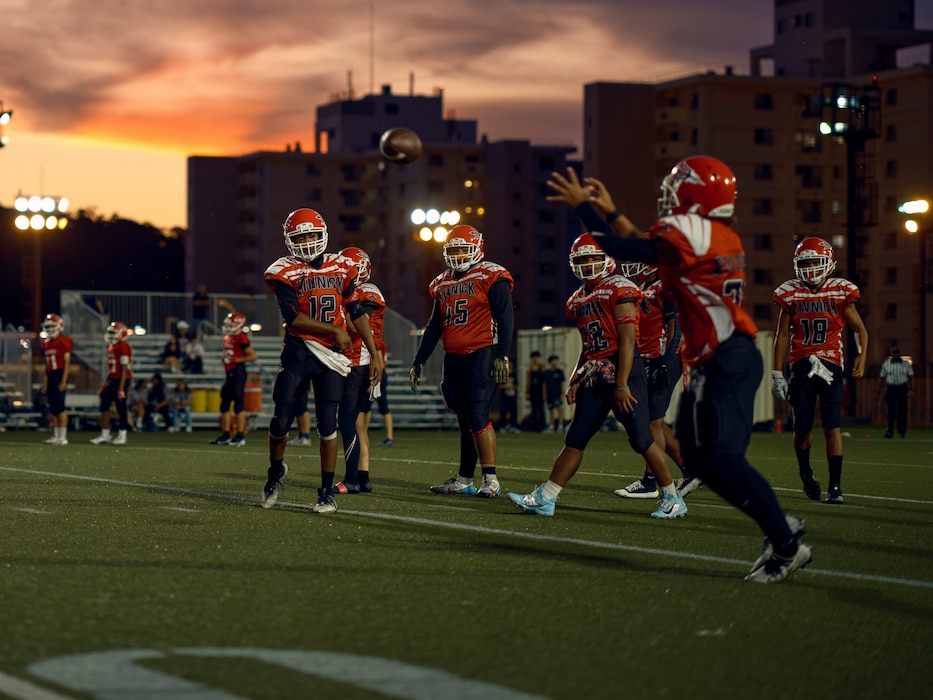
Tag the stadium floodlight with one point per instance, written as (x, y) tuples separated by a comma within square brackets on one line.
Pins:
[(914, 206), (5, 115)]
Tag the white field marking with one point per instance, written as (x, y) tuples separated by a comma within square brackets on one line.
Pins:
[(179, 508), (21, 690), (915, 583), (36, 511)]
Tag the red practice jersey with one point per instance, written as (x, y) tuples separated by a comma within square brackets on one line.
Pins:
[(55, 350), (375, 304), (464, 302), (817, 319), (652, 331), (322, 291), (118, 355), (708, 285), (593, 310), (235, 347)]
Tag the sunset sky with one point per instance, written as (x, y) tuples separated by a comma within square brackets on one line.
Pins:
[(110, 96)]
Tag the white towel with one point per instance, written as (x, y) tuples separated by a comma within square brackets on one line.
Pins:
[(337, 361)]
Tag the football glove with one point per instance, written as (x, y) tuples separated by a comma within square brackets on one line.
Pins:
[(778, 385), (414, 376), (500, 370), (658, 380), (820, 370)]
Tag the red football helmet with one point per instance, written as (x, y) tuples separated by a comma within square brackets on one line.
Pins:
[(359, 257), (698, 185), (116, 332), (53, 325), (299, 224), (234, 323), (814, 261), (586, 247), (468, 244)]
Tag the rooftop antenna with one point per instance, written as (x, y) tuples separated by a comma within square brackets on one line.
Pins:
[(411, 84), (350, 84), (372, 48)]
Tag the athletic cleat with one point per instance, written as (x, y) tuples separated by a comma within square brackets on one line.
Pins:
[(454, 487), (387, 443), (62, 441), (366, 486), (102, 439), (688, 485), (776, 569), (834, 496), (670, 507), (534, 502), (489, 488), (300, 442), (797, 528), (325, 502), (637, 490), (118, 440), (238, 441), (52, 441), (270, 492), (221, 439), (345, 487), (811, 487)]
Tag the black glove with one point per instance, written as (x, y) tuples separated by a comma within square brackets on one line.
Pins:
[(658, 380), (414, 376)]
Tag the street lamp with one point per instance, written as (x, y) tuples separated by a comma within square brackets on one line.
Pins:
[(38, 214), (5, 115), (919, 208)]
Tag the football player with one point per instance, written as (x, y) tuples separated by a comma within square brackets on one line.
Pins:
[(473, 315), (119, 357), (610, 376), (701, 263), (353, 413), (814, 311), (57, 349), (317, 294), (237, 351)]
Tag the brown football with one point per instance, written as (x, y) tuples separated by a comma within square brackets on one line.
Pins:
[(400, 145)]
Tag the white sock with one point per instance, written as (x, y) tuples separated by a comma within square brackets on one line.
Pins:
[(464, 479), (669, 490), (550, 490), (64, 433), (123, 434)]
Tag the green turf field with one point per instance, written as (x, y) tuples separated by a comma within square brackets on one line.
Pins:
[(127, 571)]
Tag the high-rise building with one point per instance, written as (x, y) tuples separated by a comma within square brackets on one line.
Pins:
[(843, 63)]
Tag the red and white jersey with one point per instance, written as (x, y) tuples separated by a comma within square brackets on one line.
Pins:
[(652, 331), (55, 350), (468, 324), (119, 355), (817, 318), (322, 291), (235, 347), (708, 285), (592, 308), (375, 304)]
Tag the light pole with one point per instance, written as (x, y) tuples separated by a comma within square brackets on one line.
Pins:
[(918, 226), (38, 214)]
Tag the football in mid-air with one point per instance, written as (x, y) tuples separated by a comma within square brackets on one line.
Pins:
[(400, 145)]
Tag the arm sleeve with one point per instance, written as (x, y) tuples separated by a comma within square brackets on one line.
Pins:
[(628, 249), (288, 302), (500, 302), (674, 341), (355, 309), (432, 333)]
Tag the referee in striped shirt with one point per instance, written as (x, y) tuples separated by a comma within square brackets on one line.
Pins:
[(896, 377)]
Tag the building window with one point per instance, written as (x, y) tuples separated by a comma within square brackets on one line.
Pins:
[(890, 168), (764, 100), (546, 216), (763, 207), (314, 194), (839, 172), (762, 312), (391, 108), (436, 186), (890, 276), (436, 160), (810, 212), (547, 242), (809, 19), (694, 137), (890, 240), (763, 276), (695, 101), (762, 241), (764, 137), (890, 97), (763, 171), (313, 170), (890, 313), (781, 26), (517, 168), (810, 177), (807, 142), (890, 205), (890, 132)]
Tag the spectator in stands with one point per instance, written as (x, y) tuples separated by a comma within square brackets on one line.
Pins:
[(200, 307), (57, 349), (137, 402), (193, 362), (170, 357), (183, 336), (157, 403), (180, 402)]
